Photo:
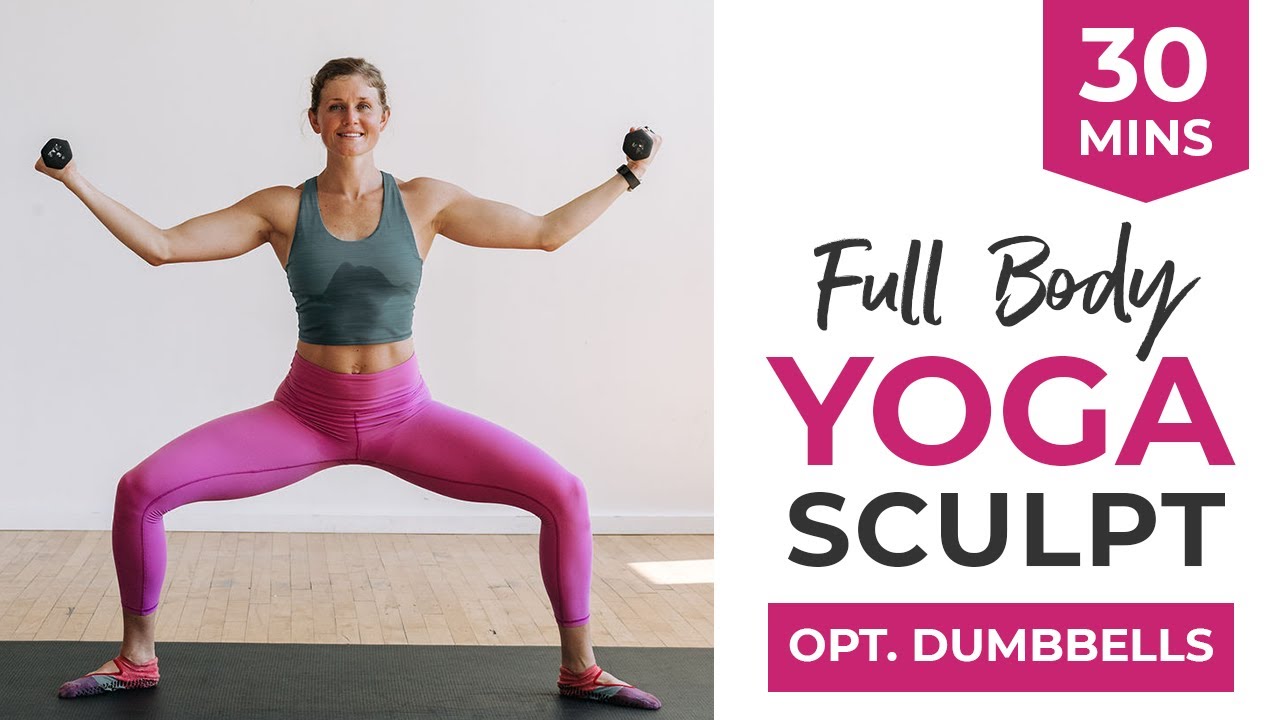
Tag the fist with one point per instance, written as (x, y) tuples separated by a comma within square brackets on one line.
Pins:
[(638, 167), (59, 175)]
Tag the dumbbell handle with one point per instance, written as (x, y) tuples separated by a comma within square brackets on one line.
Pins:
[(56, 153)]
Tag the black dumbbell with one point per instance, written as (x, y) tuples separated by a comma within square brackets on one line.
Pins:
[(638, 144), (56, 153)]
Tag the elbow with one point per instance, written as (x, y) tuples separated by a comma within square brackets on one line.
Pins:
[(550, 238), (158, 254)]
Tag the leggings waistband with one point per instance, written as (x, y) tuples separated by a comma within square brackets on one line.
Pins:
[(331, 399)]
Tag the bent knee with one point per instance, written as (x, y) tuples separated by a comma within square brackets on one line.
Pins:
[(135, 491), (568, 496)]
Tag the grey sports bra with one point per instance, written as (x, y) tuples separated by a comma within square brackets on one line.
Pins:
[(359, 292)]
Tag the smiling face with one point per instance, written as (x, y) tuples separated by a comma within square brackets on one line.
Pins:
[(349, 117)]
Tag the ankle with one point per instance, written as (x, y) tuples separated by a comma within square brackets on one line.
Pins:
[(577, 667), (138, 656)]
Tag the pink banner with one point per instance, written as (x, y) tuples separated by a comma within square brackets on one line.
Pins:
[(1157, 647), (1146, 98)]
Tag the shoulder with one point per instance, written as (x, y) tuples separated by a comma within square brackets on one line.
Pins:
[(426, 188), (274, 196), (425, 197), (278, 205)]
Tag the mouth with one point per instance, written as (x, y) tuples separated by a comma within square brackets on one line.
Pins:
[(351, 135)]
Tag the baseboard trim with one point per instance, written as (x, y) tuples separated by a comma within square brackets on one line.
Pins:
[(416, 524)]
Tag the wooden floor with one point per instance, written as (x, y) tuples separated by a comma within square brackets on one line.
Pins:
[(349, 588)]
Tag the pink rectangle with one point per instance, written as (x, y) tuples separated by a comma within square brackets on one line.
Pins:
[(1145, 647)]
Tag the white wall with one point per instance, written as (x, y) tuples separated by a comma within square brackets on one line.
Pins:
[(599, 353)]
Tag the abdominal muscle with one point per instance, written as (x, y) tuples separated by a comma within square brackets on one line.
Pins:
[(357, 359)]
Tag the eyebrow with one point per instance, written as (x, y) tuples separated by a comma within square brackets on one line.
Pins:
[(341, 100)]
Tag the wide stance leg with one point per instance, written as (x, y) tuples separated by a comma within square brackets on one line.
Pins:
[(462, 456), (466, 457), (245, 453), (239, 455)]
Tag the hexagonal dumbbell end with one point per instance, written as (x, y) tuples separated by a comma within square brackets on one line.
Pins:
[(56, 153), (637, 144)]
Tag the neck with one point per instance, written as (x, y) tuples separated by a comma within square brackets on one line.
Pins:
[(350, 176)]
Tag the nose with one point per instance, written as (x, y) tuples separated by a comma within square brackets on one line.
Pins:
[(352, 117)]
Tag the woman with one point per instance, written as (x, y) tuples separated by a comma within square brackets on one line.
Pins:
[(352, 241)]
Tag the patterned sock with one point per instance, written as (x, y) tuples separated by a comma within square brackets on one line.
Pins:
[(586, 686), (129, 677)]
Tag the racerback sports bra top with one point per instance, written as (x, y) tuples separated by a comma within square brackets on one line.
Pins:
[(354, 292)]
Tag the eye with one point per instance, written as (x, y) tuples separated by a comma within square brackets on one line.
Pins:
[(335, 107), (366, 106)]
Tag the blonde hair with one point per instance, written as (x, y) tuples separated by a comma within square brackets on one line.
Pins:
[(346, 67)]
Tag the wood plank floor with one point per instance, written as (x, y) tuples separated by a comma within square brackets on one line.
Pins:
[(349, 588)]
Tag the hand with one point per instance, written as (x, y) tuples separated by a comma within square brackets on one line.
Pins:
[(62, 175), (638, 167)]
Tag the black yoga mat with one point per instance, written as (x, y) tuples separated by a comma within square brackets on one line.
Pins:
[(246, 681)]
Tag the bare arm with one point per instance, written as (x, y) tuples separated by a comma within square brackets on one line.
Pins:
[(475, 221), (219, 235), (227, 233)]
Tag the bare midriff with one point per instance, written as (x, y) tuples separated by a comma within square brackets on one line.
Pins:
[(357, 359)]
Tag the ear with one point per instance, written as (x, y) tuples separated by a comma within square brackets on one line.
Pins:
[(315, 121), (386, 115)]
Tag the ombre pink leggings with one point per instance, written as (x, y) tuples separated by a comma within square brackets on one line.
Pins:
[(320, 419)]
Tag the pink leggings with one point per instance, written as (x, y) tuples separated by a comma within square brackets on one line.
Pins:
[(320, 419)]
